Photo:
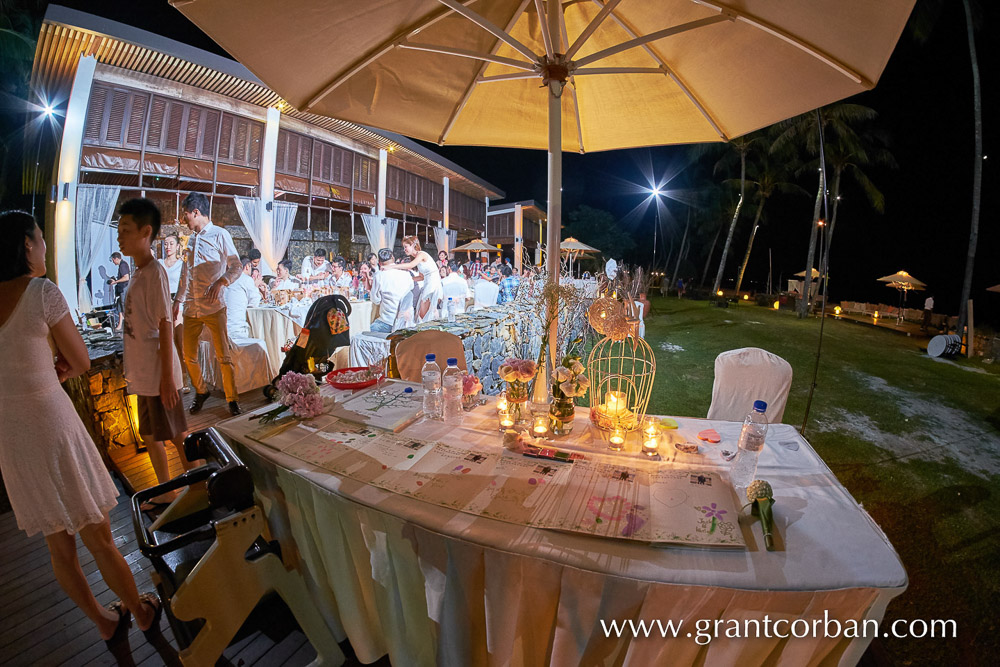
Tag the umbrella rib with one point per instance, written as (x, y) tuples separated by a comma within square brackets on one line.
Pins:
[(490, 27), (673, 76), (591, 28), (546, 37), (506, 77), (374, 55), (618, 70), (465, 53), (791, 39), (572, 90), (651, 37), (479, 75)]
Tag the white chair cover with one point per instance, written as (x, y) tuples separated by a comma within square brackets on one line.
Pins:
[(249, 359), (486, 294), (745, 375)]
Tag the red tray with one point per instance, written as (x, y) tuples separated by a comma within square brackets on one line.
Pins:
[(331, 379)]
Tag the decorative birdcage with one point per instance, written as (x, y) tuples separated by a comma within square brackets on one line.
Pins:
[(621, 376)]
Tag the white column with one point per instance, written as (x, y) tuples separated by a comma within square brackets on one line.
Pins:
[(268, 158), (383, 171), (486, 219), (64, 229), (518, 235), (447, 202)]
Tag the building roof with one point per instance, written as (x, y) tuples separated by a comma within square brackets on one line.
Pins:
[(529, 207), (66, 34)]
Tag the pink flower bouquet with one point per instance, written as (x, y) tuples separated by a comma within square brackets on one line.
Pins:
[(298, 392), (471, 385)]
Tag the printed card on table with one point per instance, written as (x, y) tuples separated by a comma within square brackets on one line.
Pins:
[(446, 475)]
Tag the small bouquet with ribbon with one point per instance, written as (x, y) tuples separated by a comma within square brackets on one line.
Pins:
[(761, 496), (296, 392)]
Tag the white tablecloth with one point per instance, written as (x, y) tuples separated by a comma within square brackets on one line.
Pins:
[(275, 326), (427, 585)]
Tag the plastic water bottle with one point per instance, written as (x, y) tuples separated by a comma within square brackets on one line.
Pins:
[(751, 445), (451, 391), (430, 377), (451, 309)]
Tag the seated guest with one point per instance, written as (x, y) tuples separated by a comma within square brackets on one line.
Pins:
[(392, 290), (315, 270), (472, 269), (508, 286), (455, 286), (372, 262), (239, 296), (284, 279), (443, 258), (365, 277), (258, 280), (339, 276)]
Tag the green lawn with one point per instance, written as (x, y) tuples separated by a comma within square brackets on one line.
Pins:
[(929, 475)]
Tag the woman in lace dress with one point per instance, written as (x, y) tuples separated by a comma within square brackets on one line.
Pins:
[(430, 290), (55, 478)]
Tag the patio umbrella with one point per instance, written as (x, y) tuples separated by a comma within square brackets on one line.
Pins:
[(995, 288), (904, 282), (476, 245), (573, 248), (640, 73), (802, 274)]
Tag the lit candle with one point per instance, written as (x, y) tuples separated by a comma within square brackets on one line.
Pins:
[(506, 420), (541, 425), (651, 445), (617, 439), (502, 403), (616, 402)]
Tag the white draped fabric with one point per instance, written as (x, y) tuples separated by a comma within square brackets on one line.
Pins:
[(272, 241), (95, 204), (381, 232), (445, 239)]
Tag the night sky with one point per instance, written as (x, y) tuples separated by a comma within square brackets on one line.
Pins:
[(924, 100)]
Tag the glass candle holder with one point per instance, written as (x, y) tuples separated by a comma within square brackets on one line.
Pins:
[(651, 444), (505, 419), (502, 403), (617, 439), (540, 425)]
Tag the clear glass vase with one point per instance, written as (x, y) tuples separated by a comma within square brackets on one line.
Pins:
[(561, 413), (517, 400)]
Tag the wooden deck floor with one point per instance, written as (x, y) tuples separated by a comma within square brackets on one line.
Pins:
[(39, 625)]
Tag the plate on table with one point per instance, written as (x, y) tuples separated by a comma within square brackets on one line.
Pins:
[(347, 378)]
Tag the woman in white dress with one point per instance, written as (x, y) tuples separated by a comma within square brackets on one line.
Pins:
[(55, 479), (430, 290)]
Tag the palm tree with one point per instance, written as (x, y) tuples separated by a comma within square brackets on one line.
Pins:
[(740, 148), (835, 122), (921, 25), (768, 177)]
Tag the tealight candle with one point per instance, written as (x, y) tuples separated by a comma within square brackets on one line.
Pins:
[(651, 445), (615, 401), (617, 439), (502, 403), (506, 420), (541, 425)]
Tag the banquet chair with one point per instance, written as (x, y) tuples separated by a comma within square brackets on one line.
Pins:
[(486, 294), (745, 375), (216, 568), (410, 353), (250, 362)]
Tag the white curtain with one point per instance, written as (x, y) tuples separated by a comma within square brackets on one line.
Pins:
[(381, 232), (272, 241), (445, 239), (95, 204)]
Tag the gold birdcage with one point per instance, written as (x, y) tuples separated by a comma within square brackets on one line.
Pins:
[(621, 379)]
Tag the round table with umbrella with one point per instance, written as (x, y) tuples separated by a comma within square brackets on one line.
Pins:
[(570, 246), (905, 283)]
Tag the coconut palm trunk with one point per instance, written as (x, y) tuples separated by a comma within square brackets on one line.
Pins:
[(680, 255), (810, 257), (831, 224), (977, 172), (708, 260), (753, 233), (732, 225)]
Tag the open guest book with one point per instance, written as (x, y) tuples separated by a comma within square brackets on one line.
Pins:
[(656, 504), (393, 406)]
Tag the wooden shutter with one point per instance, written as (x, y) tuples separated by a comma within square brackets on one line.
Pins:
[(116, 117), (256, 134), (192, 130), (210, 134), (95, 115), (136, 120), (174, 125), (157, 114), (226, 137)]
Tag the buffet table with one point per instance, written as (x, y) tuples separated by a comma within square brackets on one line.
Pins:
[(430, 585), (275, 326)]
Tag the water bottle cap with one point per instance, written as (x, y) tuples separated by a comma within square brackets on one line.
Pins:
[(452, 361), (449, 298), (430, 357), (760, 406), (408, 390)]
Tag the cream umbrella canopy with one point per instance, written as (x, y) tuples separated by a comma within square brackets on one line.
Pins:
[(574, 248), (905, 283)]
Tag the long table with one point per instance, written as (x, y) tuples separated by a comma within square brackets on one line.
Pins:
[(428, 585)]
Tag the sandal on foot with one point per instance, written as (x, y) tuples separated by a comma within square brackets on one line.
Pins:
[(152, 601), (118, 644)]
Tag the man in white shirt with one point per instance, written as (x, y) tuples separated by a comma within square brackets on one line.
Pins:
[(239, 296), (211, 265), (339, 277), (453, 285), (315, 270), (283, 280), (392, 290), (928, 312)]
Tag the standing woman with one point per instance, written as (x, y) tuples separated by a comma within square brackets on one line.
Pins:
[(55, 478), (172, 262), (430, 291)]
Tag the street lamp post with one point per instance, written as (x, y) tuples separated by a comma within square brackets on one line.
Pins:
[(656, 227)]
